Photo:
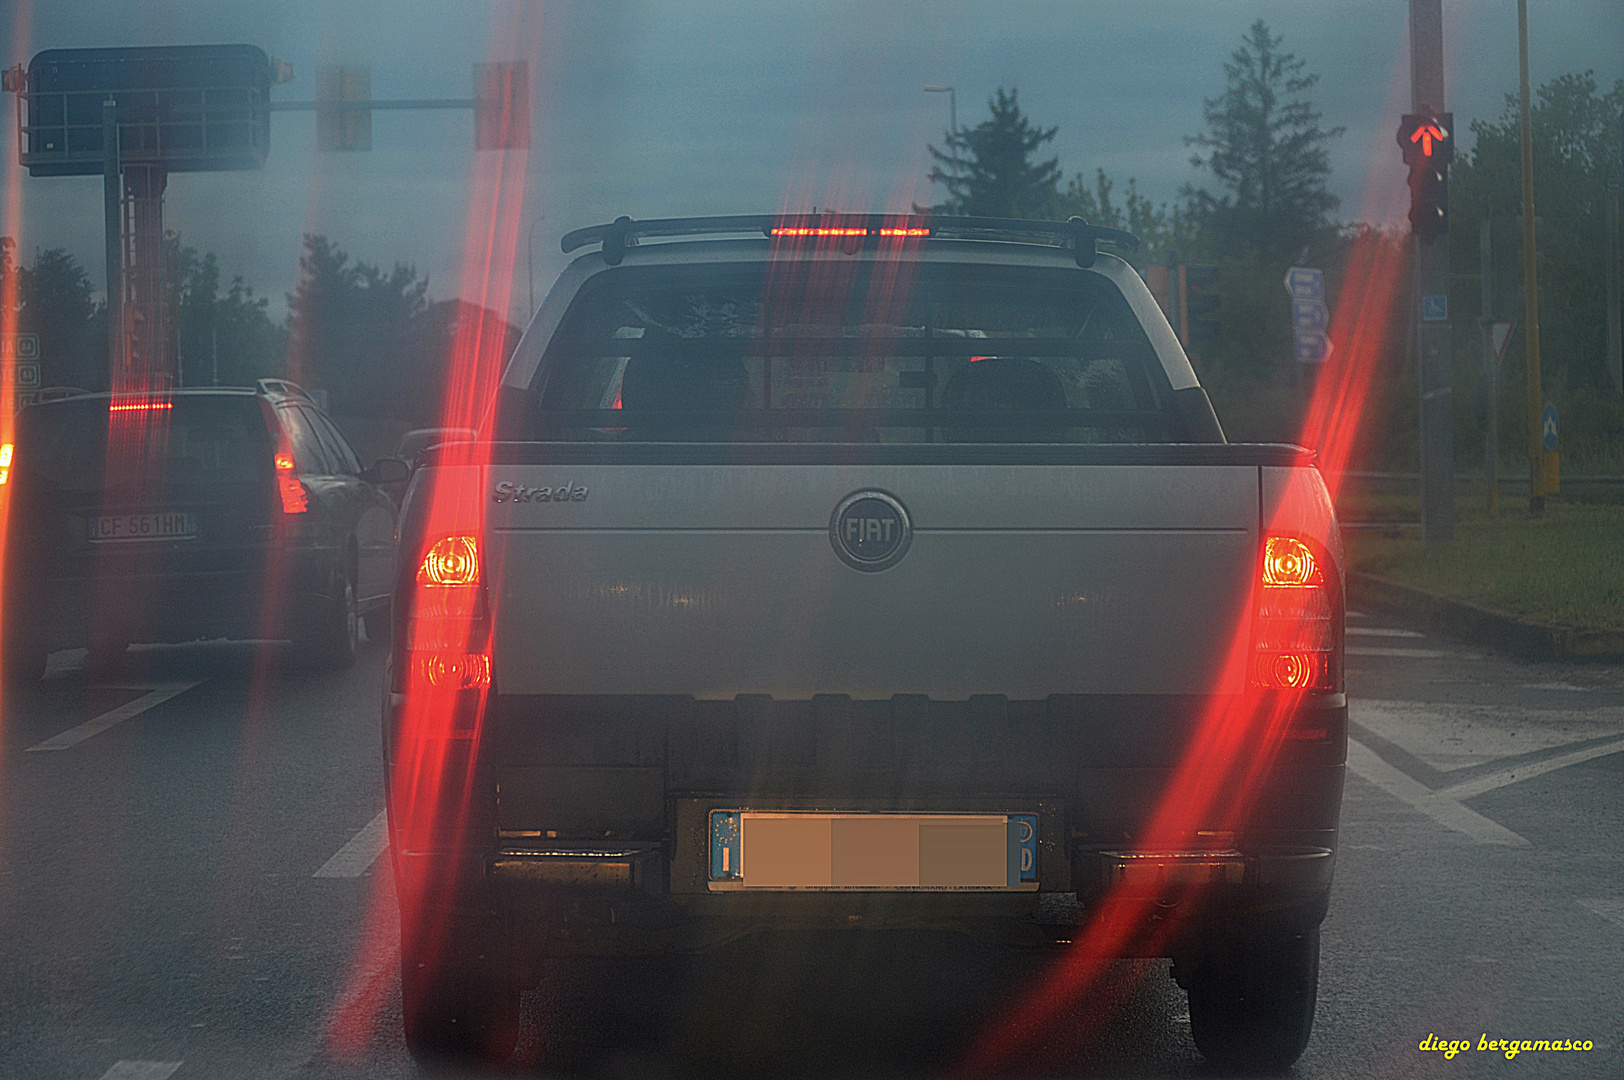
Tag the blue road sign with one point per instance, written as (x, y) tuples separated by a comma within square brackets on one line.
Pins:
[(1435, 308), (1309, 316), (1312, 348), (1548, 427), (1305, 283)]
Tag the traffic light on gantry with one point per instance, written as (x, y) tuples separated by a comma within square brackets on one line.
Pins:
[(1428, 144)]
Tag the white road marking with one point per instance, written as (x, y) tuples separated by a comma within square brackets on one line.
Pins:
[(1375, 631), (1439, 807), (1458, 735), (76, 735), (356, 857), (1478, 785), (1355, 614), (1415, 654), (142, 1070), (1607, 909), (1550, 686)]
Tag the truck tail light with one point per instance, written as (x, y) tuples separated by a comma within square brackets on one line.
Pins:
[(294, 498), (437, 669), (445, 640), (451, 561), (6, 452), (1297, 629)]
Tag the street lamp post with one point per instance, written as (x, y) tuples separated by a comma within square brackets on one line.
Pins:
[(952, 105), (530, 261)]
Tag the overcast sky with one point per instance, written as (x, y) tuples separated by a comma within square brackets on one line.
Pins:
[(671, 107)]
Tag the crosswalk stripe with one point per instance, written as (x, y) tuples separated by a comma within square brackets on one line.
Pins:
[(1436, 805), (1478, 785), (142, 1070), (113, 717), (356, 857)]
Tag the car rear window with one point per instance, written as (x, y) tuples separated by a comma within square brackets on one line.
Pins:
[(833, 352), (80, 445)]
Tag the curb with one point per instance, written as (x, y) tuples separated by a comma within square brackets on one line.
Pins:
[(1485, 626)]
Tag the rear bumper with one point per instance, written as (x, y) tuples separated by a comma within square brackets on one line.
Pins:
[(262, 598), (590, 832)]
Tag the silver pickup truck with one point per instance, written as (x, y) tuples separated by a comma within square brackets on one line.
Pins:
[(863, 573)]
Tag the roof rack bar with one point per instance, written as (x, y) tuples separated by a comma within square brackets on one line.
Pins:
[(624, 232)]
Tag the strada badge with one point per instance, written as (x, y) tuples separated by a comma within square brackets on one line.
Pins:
[(507, 491), (870, 530)]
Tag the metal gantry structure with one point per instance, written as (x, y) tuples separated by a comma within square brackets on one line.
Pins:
[(135, 115)]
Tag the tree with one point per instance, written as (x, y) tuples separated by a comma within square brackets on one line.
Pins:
[(1575, 129), (351, 326), (226, 340), (56, 300), (1266, 149), (988, 170), (1165, 233)]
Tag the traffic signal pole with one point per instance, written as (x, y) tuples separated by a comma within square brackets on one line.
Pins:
[(1434, 364), (1536, 451)]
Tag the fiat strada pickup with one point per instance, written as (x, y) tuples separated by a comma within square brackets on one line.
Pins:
[(863, 573)]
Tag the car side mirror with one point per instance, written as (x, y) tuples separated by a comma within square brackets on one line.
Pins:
[(388, 470)]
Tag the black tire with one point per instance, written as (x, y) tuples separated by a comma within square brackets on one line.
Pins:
[(332, 636), (461, 1007), (379, 622), (1252, 998)]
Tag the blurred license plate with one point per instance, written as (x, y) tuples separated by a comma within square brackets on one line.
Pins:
[(766, 850), (171, 526)]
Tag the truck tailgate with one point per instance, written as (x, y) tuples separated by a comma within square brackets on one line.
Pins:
[(719, 580)]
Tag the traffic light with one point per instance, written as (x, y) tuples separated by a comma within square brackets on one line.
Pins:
[(1428, 144), (502, 106), (1198, 287), (343, 107)]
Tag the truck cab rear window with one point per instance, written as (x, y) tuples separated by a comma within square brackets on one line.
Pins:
[(887, 353)]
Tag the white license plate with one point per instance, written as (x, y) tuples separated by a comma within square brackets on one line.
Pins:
[(756, 850), (170, 526)]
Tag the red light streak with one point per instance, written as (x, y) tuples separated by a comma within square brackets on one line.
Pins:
[(139, 406), (1217, 780), (432, 785)]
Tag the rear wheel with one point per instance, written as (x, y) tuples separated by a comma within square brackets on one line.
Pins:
[(332, 636), (460, 1001), (1252, 998), (378, 621)]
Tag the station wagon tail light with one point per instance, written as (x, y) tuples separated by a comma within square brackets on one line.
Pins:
[(294, 498), (6, 451), (1295, 635)]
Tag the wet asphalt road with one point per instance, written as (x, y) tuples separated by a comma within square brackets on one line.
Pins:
[(189, 887)]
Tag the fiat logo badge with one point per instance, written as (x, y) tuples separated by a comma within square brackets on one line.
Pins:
[(870, 530)]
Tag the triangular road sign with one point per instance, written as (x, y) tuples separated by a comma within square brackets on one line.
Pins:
[(1500, 333)]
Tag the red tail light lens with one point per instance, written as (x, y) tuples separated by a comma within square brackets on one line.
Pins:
[(452, 561), (1296, 632), (294, 498), (450, 671)]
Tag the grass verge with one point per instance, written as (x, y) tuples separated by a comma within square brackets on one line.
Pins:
[(1564, 569)]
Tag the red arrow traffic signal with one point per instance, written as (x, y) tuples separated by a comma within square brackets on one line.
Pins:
[(1425, 134), (1427, 137)]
